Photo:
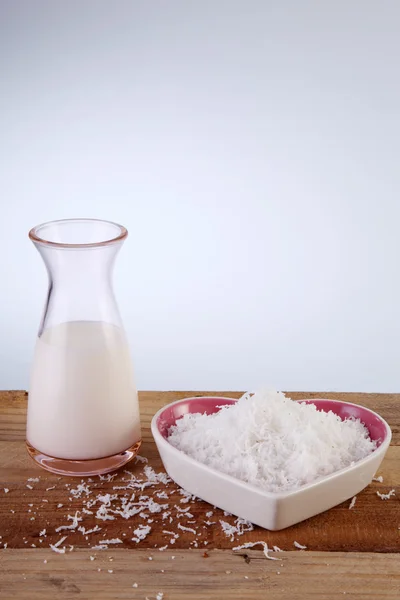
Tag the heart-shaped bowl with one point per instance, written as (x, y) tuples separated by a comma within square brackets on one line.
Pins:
[(270, 510)]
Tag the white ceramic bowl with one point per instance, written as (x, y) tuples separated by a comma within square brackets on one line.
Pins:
[(269, 510)]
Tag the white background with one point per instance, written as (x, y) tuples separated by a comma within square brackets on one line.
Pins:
[(252, 150)]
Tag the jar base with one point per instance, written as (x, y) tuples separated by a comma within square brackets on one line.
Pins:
[(79, 468)]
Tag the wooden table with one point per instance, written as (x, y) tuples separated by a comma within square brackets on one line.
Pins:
[(350, 553)]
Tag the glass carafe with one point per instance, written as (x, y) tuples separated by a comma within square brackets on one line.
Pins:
[(83, 411)]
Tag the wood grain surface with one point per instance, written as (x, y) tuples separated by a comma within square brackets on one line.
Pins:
[(352, 551), (222, 576)]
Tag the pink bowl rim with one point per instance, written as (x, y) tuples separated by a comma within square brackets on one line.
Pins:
[(161, 440)]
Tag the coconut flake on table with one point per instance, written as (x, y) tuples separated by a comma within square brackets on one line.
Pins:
[(109, 477), (266, 549), (141, 533), (353, 502), (271, 441), (85, 531), (132, 502), (185, 516), (386, 496), (75, 521), (239, 529), (162, 495), (299, 546), (189, 529), (55, 547), (82, 488), (187, 496)]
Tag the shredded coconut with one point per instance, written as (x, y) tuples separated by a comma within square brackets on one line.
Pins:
[(239, 529), (129, 501), (55, 547), (266, 550), (75, 520), (183, 528), (187, 496), (103, 514), (352, 503), (175, 535), (82, 488), (141, 533), (386, 496), (379, 479), (154, 477), (299, 546), (162, 495), (107, 477), (279, 445), (185, 516), (89, 531), (228, 529), (154, 507), (182, 510)]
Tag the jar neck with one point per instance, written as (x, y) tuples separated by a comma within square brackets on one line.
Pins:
[(80, 284)]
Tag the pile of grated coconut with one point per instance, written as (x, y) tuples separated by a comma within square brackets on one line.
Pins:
[(271, 441)]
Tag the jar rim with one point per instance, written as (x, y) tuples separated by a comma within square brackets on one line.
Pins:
[(36, 236)]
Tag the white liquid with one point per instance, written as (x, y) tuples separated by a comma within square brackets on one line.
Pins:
[(82, 400)]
